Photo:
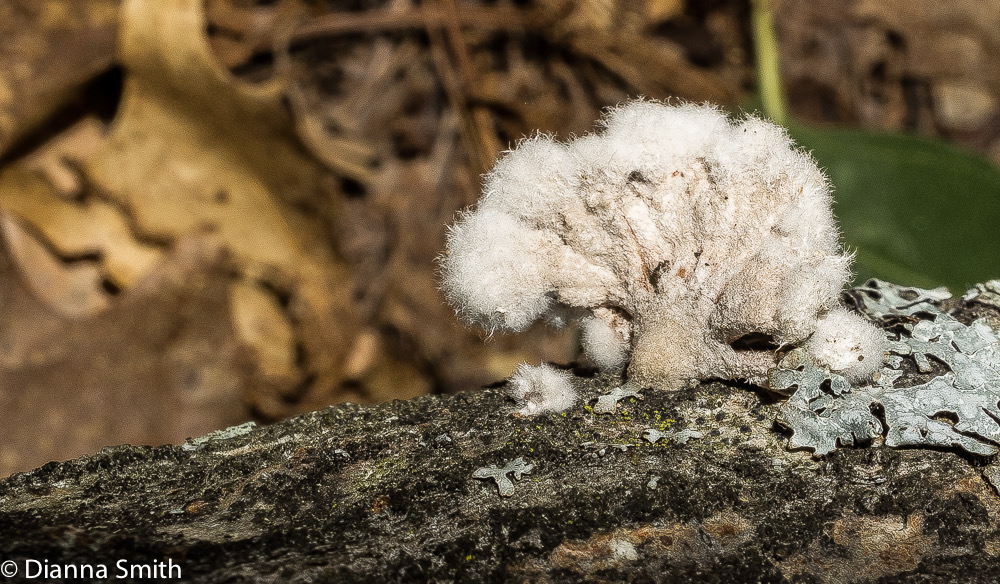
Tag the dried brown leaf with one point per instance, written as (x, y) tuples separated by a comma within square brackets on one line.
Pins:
[(50, 49), (71, 289), (160, 364), (76, 228), (193, 148)]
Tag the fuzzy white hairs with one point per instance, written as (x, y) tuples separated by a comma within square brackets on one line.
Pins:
[(542, 389), (688, 245)]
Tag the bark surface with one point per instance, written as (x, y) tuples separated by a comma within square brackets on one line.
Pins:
[(387, 494)]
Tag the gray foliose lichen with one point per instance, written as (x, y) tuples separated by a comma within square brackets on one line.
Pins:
[(516, 467), (987, 293), (958, 408)]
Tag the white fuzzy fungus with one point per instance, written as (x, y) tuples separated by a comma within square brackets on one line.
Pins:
[(692, 245), (847, 347), (542, 389), (606, 337)]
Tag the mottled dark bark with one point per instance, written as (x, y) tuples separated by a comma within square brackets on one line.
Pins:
[(386, 493)]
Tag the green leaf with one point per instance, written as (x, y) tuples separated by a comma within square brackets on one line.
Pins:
[(916, 211)]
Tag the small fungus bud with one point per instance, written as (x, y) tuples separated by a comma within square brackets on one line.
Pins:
[(542, 389)]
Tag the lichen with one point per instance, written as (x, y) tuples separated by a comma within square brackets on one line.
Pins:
[(824, 410), (607, 403), (987, 293), (516, 467), (223, 434), (879, 299), (959, 408), (652, 435)]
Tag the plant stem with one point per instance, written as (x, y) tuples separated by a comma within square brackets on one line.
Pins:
[(768, 69)]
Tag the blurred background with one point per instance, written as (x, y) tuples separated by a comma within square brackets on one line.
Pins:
[(222, 210)]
